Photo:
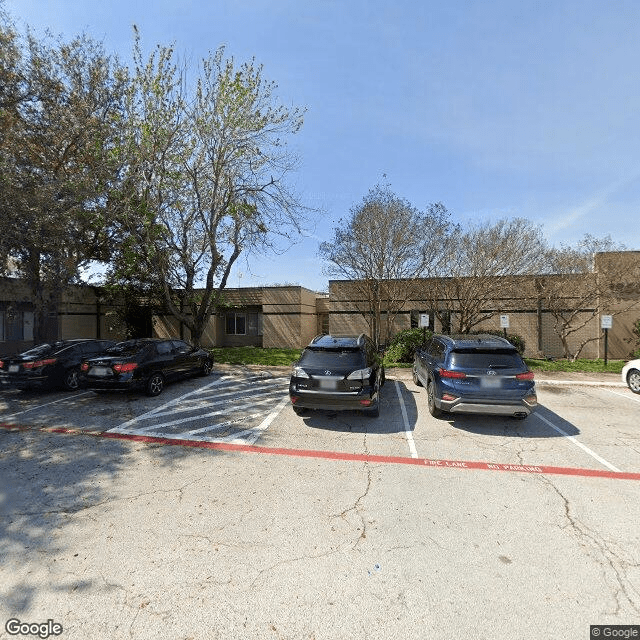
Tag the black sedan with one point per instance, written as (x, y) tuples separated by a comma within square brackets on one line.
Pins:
[(144, 364), (51, 365)]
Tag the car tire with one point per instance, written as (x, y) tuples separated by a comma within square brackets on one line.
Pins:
[(207, 366), (633, 380), (416, 380), (431, 400), (155, 384), (71, 380), (375, 412)]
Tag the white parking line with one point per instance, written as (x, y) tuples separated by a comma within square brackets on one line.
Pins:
[(18, 413), (624, 395), (578, 444), (256, 432), (171, 403), (407, 427), (211, 414)]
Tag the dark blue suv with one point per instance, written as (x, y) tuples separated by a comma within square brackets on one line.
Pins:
[(474, 374)]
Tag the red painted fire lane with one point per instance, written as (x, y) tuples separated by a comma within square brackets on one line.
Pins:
[(349, 457)]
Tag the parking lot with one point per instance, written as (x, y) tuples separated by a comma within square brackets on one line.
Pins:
[(588, 425), (320, 526)]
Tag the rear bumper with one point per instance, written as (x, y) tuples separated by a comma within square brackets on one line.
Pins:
[(503, 408), (22, 381), (111, 384), (346, 401)]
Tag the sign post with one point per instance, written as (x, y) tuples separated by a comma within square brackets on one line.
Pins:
[(504, 324), (606, 323), (424, 323)]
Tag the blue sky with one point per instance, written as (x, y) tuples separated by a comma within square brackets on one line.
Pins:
[(495, 108)]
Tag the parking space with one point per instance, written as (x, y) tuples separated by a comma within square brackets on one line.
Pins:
[(576, 426)]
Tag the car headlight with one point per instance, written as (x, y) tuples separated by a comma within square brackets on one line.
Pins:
[(299, 372)]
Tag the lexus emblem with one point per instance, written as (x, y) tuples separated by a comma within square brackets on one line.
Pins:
[(327, 373), (491, 372)]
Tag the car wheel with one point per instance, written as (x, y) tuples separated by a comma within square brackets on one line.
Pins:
[(633, 380), (375, 412), (416, 380), (431, 401), (71, 380), (155, 384), (207, 366)]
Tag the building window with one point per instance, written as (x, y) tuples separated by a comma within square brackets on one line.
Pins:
[(16, 325), (243, 324), (236, 324)]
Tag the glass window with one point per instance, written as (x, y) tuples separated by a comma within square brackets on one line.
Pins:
[(486, 359), (236, 324), (164, 347), (328, 358), (27, 324)]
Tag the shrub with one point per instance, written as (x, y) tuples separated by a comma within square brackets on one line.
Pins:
[(404, 344)]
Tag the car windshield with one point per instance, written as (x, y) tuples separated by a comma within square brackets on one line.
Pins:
[(327, 358), (128, 348), (485, 359)]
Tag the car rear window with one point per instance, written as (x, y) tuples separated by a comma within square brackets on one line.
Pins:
[(41, 349), (485, 359), (332, 358), (126, 349)]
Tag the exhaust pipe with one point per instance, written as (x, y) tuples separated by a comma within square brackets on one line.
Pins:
[(521, 415)]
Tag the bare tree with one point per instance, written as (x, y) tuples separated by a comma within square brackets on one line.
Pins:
[(205, 179), (589, 278), (383, 245), (477, 266)]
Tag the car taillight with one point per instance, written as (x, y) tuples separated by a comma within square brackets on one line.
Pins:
[(360, 374), (1, 364), (445, 373), (525, 376), (125, 368), (36, 364), (84, 366)]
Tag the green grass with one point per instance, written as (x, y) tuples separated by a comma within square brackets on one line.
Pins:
[(286, 357), (255, 355), (585, 366)]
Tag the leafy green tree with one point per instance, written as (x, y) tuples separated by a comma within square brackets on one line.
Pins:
[(205, 177), (59, 105)]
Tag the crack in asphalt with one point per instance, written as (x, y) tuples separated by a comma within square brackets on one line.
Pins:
[(624, 589)]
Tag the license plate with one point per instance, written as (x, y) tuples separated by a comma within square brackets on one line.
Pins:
[(14, 368), (329, 385), (490, 382), (99, 371)]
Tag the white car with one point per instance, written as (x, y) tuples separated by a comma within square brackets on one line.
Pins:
[(631, 375)]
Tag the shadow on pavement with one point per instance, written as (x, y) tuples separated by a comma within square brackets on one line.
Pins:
[(532, 427)]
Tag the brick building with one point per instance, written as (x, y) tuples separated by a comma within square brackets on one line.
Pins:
[(290, 316)]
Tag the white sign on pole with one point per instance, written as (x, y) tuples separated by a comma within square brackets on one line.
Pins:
[(424, 320), (504, 322), (606, 322)]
